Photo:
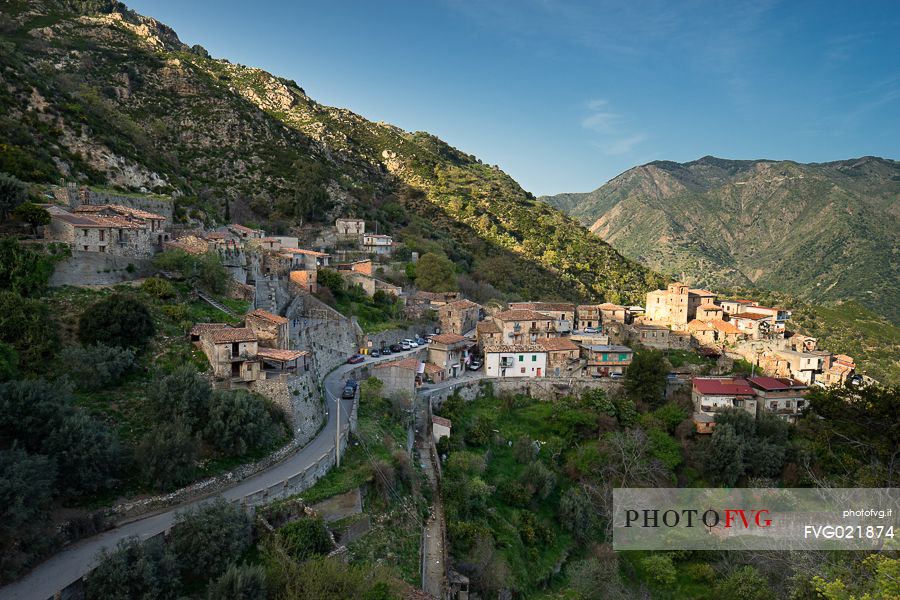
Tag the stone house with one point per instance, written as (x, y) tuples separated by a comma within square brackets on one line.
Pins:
[(246, 233), (710, 312), (606, 360), (199, 328), (377, 244), (653, 336), (802, 366), (588, 316), (306, 260), (108, 229), (276, 361), (349, 228), (562, 312), (780, 395), (755, 326), (450, 352), (524, 326), (406, 374), (232, 353), (487, 333), (675, 306), (459, 317), (838, 369), (271, 330), (440, 428), (714, 332), (305, 281), (562, 355), (515, 360), (712, 394), (614, 313)]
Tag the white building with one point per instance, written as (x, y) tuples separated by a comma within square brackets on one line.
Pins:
[(376, 243), (526, 360)]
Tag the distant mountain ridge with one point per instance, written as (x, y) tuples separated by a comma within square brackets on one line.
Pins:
[(827, 232)]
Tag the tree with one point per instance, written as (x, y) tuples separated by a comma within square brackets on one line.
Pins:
[(118, 320), (205, 271), (95, 367), (370, 390), (724, 459), (330, 279), (87, 453), (539, 479), (9, 362), (32, 214), (23, 270), (207, 539), (436, 273), (877, 577), (160, 288), (744, 584), (27, 325), (166, 455), (239, 421), (134, 571), (12, 193), (576, 513), (26, 495), (183, 395), (305, 538), (239, 582), (309, 200), (660, 570), (645, 379)]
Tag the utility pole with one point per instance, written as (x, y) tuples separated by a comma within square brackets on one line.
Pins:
[(337, 435)]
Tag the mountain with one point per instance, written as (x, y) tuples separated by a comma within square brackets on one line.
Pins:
[(96, 93), (827, 232)]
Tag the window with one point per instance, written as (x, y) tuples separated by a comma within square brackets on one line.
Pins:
[(534, 358), (85, 248), (84, 232), (102, 235), (522, 370), (604, 356), (623, 357), (102, 248), (521, 358)]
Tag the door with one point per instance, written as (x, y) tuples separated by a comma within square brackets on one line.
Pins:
[(538, 371)]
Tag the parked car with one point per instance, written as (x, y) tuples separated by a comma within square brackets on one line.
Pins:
[(405, 346), (592, 330), (475, 364), (349, 392), (375, 353), (355, 359), (615, 376), (397, 348), (386, 351), (411, 343)]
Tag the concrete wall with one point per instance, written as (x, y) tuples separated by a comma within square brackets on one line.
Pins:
[(92, 268)]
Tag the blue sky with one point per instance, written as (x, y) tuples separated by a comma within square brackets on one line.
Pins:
[(566, 94)]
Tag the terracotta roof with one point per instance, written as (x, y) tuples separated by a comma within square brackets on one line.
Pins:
[(513, 348), (448, 338), (775, 383), (266, 315), (199, 328), (610, 306), (441, 421), (93, 221), (723, 387), (557, 344), (214, 235), (522, 315), (304, 251), (586, 307), (750, 315), (231, 334), (487, 327), (539, 306), (461, 304), (712, 325), (432, 368), (269, 240), (280, 355), (699, 292), (652, 327), (122, 210), (190, 244), (243, 228)]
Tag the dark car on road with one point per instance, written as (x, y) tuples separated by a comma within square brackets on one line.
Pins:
[(355, 359), (396, 348), (375, 353), (349, 392), (386, 351)]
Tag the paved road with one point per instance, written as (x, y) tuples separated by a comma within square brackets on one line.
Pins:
[(74, 561), (434, 560)]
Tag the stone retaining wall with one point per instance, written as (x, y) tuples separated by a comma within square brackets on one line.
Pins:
[(94, 268)]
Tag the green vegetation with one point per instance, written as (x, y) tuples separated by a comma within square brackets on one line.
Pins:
[(118, 320), (435, 273), (377, 313), (12, 194), (205, 271)]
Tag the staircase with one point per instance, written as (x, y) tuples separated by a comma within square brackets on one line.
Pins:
[(215, 303)]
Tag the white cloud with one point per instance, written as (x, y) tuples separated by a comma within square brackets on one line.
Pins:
[(612, 136)]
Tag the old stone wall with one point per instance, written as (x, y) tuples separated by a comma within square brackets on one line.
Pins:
[(544, 388), (160, 206), (395, 335), (298, 396), (92, 268)]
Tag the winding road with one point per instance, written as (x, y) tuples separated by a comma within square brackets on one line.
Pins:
[(75, 560)]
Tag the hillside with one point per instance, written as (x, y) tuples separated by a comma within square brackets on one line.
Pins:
[(95, 93), (828, 232)]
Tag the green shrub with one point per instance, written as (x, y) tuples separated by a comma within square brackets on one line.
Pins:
[(207, 539), (95, 367), (118, 320), (305, 538), (239, 421), (660, 570), (158, 287), (134, 570), (239, 582), (166, 456)]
